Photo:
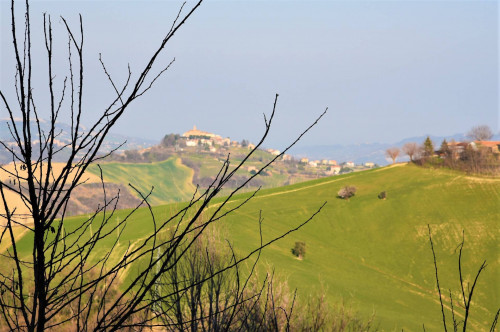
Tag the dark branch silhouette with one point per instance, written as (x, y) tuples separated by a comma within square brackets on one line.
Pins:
[(63, 282), (466, 295)]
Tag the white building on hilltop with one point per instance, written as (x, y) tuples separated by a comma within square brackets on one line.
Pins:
[(195, 133), (195, 136)]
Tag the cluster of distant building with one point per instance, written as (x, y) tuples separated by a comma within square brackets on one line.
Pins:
[(459, 147), (332, 167), (316, 163), (195, 137)]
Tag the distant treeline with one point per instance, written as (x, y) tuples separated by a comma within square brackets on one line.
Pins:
[(478, 155)]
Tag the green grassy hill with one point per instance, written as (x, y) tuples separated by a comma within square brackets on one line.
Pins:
[(372, 254), (171, 179), (375, 253)]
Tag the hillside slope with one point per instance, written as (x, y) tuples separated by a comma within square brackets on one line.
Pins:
[(175, 178), (374, 253), (14, 200), (171, 180)]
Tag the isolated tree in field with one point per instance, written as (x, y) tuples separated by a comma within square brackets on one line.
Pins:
[(347, 192), (411, 149), (299, 249), (480, 133), (392, 153), (428, 147), (61, 278)]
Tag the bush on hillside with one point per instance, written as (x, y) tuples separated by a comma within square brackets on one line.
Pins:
[(299, 250), (133, 156), (347, 192), (344, 170)]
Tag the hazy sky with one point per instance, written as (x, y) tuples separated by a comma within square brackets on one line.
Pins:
[(386, 69)]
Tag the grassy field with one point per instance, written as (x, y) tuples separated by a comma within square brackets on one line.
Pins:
[(372, 254), (171, 179), (375, 253)]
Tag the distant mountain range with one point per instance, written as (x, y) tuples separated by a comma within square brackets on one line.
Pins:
[(112, 141), (367, 152)]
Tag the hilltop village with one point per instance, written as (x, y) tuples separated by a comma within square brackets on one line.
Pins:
[(195, 144)]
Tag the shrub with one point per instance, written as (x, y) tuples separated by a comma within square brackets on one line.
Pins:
[(347, 192), (170, 140), (345, 170), (299, 250)]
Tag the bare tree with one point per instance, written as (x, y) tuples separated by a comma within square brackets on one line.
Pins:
[(190, 299), (392, 153), (411, 149), (480, 133), (231, 302), (346, 192), (61, 281), (466, 293)]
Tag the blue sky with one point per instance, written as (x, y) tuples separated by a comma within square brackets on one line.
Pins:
[(386, 69)]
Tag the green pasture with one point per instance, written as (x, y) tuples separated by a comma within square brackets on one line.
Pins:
[(171, 180), (372, 254), (375, 254)]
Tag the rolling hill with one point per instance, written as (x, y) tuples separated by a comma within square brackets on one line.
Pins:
[(171, 180), (175, 178), (372, 254), (375, 253)]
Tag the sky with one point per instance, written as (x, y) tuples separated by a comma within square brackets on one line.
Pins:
[(386, 70)]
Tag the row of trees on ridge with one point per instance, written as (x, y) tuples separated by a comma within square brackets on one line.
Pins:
[(473, 156)]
